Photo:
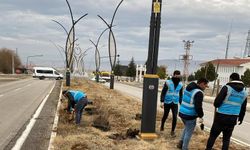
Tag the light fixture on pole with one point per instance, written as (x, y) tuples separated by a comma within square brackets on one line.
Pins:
[(27, 60)]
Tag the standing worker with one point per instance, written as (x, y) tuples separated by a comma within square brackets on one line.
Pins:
[(170, 96), (230, 106), (77, 100), (190, 109)]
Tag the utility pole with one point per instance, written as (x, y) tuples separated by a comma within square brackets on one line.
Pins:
[(186, 57), (247, 47), (228, 41), (13, 64), (151, 80)]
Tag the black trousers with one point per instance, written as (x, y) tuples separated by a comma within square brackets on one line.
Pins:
[(174, 109), (216, 129)]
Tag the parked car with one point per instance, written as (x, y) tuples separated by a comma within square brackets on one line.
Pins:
[(46, 72), (101, 80)]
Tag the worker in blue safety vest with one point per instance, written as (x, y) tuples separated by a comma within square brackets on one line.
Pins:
[(230, 106), (171, 95), (191, 109), (77, 100)]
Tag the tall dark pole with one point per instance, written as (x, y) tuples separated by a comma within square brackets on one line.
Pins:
[(97, 54), (70, 43), (112, 46), (151, 80)]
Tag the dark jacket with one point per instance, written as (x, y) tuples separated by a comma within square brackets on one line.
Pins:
[(165, 89), (71, 102), (229, 119), (198, 98)]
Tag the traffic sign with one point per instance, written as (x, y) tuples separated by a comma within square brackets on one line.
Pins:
[(157, 7)]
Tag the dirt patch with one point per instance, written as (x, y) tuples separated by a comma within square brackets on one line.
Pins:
[(102, 123), (79, 146), (121, 115)]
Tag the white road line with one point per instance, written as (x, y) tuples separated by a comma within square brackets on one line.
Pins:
[(1, 95), (240, 142), (17, 89), (28, 85), (246, 122), (26, 132)]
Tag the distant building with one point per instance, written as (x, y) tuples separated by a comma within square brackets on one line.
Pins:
[(227, 66), (140, 71)]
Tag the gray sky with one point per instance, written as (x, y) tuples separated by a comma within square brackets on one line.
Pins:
[(27, 26)]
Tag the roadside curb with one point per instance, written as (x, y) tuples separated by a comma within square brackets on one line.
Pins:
[(54, 127)]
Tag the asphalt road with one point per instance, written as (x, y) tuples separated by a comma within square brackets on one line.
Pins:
[(240, 132), (18, 102)]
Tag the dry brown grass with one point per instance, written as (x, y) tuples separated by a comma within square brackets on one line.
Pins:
[(120, 111)]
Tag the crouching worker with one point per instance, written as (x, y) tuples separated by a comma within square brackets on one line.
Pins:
[(77, 100)]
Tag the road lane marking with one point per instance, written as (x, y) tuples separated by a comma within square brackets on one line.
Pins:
[(17, 89), (240, 142), (246, 122), (1, 95), (28, 85), (22, 138)]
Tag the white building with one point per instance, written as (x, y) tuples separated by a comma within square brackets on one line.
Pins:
[(140, 71), (227, 66)]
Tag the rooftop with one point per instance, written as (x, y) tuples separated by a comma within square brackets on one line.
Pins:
[(230, 62)]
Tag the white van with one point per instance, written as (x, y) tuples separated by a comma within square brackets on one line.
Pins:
[(46, 72)]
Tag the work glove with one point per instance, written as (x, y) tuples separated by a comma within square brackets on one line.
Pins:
[(162, 105), (240, 122)]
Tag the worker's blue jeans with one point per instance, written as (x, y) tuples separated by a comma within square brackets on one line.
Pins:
[(187, 132), (79, 109)]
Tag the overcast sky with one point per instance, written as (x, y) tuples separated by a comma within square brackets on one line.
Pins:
[(27, 26)]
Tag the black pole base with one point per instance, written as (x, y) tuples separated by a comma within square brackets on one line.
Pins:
[(149, 105), (97, 77), (112, 81), (68, 78)]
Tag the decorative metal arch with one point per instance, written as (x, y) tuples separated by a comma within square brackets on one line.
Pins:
[(97, 53), (70, 40), (111, 42)]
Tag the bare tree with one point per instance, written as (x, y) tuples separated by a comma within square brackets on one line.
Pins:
[(7, 58)]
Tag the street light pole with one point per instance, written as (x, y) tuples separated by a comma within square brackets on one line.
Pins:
[(13, 63), (151, 80), (27, 60)]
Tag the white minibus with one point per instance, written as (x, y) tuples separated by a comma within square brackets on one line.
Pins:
[(46, 72)]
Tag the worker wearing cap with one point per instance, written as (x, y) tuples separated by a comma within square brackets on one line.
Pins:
[(77, 100), (230, 106)]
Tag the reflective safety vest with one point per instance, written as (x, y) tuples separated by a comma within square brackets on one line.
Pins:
[(77, 95), (172, 95), (233, 101), (187, 105)]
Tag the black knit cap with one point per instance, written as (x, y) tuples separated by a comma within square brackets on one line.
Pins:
[(176, 72), (235, 76)]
